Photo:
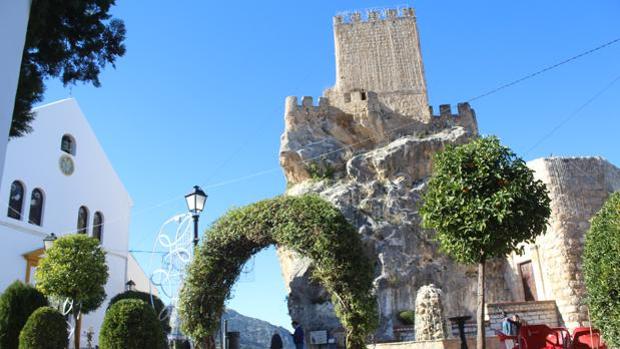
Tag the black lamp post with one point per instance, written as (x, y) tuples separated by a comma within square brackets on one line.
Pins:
[(195, 204), (48, 241), (130, 285)]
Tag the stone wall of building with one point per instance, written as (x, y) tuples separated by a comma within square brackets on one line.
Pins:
[(578, 187), (533, 313)]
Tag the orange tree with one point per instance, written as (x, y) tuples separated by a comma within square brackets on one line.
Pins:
[(308, 225), (482, 201)]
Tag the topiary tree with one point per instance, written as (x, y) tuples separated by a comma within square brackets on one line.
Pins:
[(72, 40), (46, 328), (74, 267), (131, 324), (482, 201), (18, 301), (306, 224), (154, 301), (601, 261)]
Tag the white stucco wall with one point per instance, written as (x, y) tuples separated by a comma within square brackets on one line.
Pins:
[(13, 24), (34, 160)]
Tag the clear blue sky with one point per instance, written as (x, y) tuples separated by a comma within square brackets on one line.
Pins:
[(199, 96)]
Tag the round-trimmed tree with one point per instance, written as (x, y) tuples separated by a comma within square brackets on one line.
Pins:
[(152, 300), (46, 328), (483, 201), (17, 303), (306, 224), (75, 268), (131, 324), (601, 260)]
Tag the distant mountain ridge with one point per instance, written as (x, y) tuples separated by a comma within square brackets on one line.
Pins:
[(255, 333)]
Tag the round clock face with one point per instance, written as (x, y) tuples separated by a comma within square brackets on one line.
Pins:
[(66, 165)]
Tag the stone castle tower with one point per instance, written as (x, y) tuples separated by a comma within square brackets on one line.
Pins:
[(367, 145)]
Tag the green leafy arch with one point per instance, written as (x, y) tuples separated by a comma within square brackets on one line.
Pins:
[(306, 224)]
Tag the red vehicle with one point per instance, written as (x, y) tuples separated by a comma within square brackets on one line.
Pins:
[(545, 337)]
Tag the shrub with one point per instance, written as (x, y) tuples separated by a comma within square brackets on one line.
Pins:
[(46, 328), (156, 304), (131, 324), (407, 317), (602, 274), (18, 301)]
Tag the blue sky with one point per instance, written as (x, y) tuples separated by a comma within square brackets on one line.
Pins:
[(199, 96)]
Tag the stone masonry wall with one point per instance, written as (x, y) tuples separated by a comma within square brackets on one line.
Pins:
[(578, 188), (379, 53), (533, 313)]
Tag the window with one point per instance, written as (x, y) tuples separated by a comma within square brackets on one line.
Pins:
[(16, 200), (98, 226), (36, 207), (68, 144), (82, 221)]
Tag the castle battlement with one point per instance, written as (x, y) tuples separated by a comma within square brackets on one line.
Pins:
[(373, 15), (464, 110), (307, 104), (465, 116)]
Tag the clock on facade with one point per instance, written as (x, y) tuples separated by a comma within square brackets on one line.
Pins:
[(66, 165)]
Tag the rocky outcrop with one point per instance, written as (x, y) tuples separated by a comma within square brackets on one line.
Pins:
[(367, 147), (255, 333)]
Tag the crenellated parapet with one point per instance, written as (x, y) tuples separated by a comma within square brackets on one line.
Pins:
[(465, 117), (374, 15)]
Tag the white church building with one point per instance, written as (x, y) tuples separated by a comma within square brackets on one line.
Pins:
[(59, 180)]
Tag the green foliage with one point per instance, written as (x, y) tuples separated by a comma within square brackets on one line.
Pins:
[(407, 317), (152, 300), (320, 171), (74, 268), (308, 225), (602, 275), (482, 201), (18, 301), (70, 39), (131, 324), (46, 328)]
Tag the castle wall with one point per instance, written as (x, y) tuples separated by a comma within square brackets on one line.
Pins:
[(578, 187)]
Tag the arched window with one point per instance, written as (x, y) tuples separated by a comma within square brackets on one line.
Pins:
[(82, 221), (98, 226), (68, 144), (16, 200), (36, 207)]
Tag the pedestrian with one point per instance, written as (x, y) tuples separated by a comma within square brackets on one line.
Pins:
[(507, 329), (276, 341), (298, 335)]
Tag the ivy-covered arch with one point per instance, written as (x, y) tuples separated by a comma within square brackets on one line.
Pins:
[(306, 224)]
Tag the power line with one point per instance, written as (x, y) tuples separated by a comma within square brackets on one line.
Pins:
[(574, 113), (544, 70)]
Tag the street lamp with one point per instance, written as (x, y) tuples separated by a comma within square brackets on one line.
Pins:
[(195, 204), (48, 241), (130, 285)]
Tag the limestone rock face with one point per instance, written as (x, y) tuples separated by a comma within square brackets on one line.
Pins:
[(376, 178), (255, 333), (430, 323)]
